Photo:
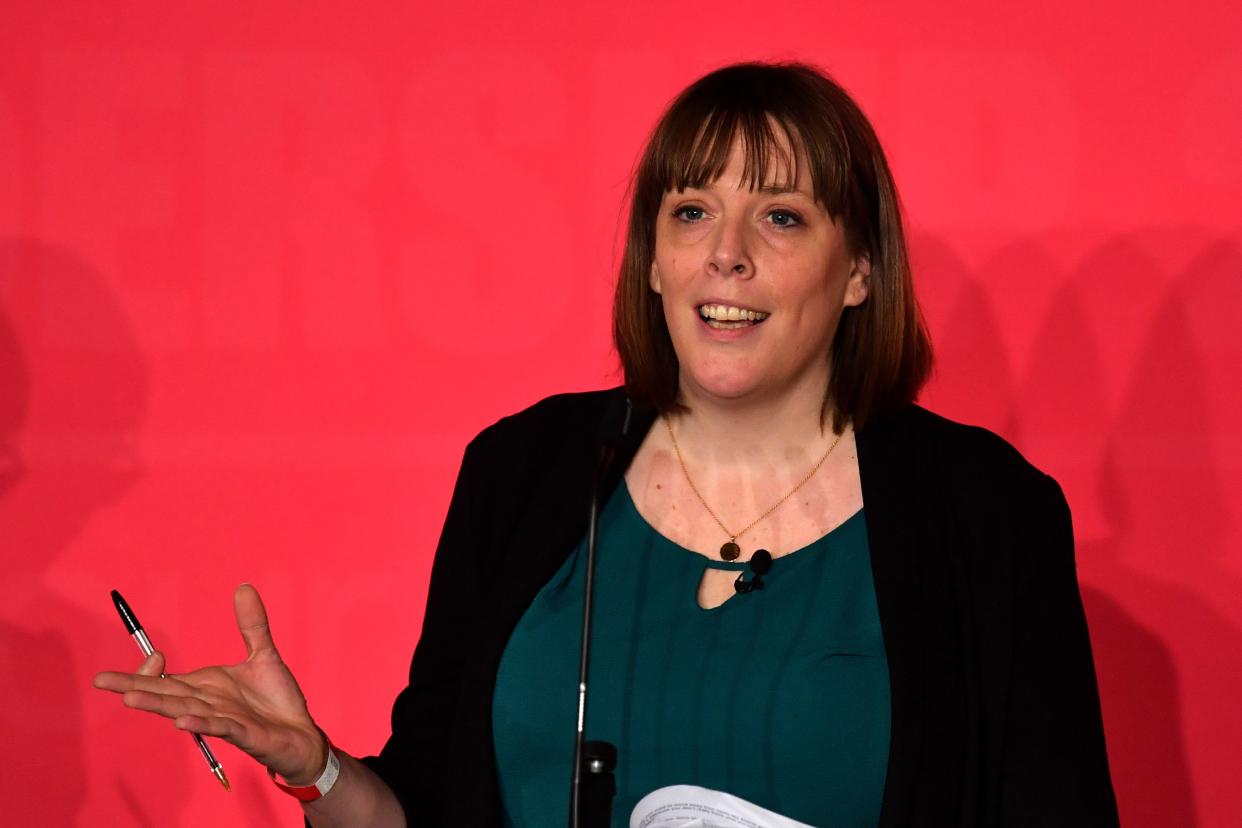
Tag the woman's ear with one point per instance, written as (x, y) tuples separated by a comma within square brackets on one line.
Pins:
[(859, 284), (654, 279)]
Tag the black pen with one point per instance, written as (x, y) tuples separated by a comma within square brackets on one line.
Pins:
[(140, 636)]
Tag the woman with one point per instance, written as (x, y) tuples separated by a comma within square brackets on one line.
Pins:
[(915, 654)]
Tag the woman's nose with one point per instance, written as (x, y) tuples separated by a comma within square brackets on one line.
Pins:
[(728, 255)]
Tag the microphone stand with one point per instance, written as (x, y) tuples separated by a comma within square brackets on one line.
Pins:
[(592, 793)]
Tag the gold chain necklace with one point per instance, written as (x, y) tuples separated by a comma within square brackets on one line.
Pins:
[(730, 551)]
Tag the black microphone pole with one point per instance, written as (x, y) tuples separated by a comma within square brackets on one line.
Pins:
[(591, 796)]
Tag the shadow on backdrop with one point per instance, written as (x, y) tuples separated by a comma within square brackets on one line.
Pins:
[(74, 390), (1059, 415), (973, 380), (1164, 491), (1138, 623)]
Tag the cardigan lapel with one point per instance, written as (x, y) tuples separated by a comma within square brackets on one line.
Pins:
[(566, 493), (551, 524), (887, 467)]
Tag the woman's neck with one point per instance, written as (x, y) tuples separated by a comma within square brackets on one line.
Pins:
[(745, 432)]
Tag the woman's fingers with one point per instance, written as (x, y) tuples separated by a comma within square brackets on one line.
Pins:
[(173, 700), (109, 680), (167, 705), (124, 682), (153, 665), (252, 620), (219, 726)]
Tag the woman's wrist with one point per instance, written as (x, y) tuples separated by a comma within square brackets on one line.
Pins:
[(318, 764)]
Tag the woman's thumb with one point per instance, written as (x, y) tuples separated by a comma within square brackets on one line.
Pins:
[(252, 620)]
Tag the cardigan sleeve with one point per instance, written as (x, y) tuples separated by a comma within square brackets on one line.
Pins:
[(1055, 765), (412, 761)]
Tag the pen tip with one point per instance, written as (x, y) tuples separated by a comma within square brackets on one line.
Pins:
[(224, 780)]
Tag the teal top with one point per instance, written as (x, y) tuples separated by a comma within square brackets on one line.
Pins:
[(779, 696)]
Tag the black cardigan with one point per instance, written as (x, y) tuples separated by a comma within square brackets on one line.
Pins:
[(995, 712)]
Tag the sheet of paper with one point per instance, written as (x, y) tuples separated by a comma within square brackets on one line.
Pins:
[(689, 806)]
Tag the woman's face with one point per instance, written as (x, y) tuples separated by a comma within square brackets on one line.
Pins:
[(753, 284)]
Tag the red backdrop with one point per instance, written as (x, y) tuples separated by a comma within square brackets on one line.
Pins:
[(265, 270)]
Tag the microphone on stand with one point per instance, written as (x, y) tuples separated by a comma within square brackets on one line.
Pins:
[(594, 787)]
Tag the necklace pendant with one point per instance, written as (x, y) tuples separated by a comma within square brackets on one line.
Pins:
[(730, 550)]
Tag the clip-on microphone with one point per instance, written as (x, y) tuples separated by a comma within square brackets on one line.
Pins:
[(760, 564)]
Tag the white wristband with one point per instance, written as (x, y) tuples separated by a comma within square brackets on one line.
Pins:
[(321, 786)]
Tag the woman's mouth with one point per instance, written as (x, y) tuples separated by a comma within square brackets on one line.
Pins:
[(727, 317)]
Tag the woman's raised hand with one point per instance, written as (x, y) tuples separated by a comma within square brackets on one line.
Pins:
[(255, 704)]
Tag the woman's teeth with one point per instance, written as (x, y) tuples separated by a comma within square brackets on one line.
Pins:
[(730, 316)]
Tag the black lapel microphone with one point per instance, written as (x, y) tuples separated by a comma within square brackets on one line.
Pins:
[(760, 565)]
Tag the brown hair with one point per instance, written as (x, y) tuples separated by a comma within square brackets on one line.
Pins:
[(881, 354)]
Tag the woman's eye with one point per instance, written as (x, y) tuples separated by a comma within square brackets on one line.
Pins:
[(781, 218), (785, 218)]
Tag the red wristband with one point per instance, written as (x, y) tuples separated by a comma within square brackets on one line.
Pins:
[(320, 787)]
